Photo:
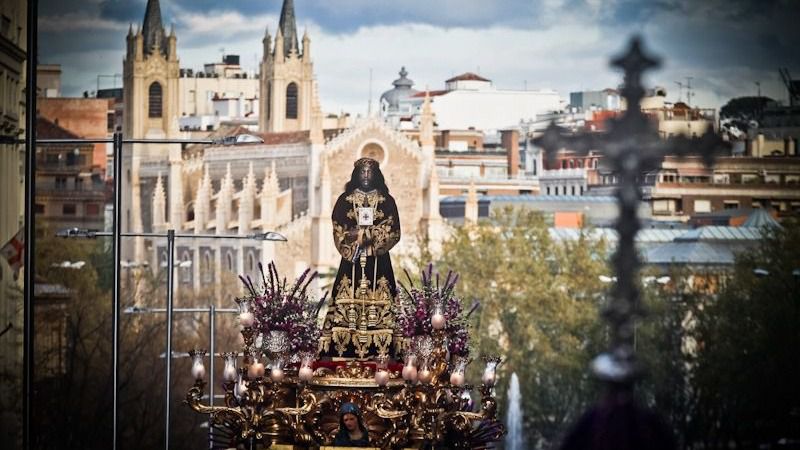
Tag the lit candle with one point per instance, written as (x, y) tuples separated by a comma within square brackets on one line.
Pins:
[(240, 388), (276, 374), (247, 319), (437, 320), (425, 375), (305, 373), (488, 377), (409, 372), (256, 370), (457, 379), (381, 377), (229, 373), (198, 371)]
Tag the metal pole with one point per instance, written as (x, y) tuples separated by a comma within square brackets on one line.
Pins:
[(168, 356), (117, 281), (212, 312), (30, 235)]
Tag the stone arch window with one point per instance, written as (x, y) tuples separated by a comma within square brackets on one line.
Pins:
[(206, 267), (154, 100), (186, 272), (291, 101), (229, 261), (269, 99), (251, 263)]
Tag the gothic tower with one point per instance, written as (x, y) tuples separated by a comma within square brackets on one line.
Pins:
[(287, 77), (150, 89)]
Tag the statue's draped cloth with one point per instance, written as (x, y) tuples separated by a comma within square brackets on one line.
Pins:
[(360, 320)]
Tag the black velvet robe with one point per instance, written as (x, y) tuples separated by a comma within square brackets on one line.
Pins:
[(377, 240)]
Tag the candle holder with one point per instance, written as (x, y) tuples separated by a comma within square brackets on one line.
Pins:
[(229, 371), (489, 377), (198, 367), (457, 377), (409, 372), (306, 371), (382, 370)]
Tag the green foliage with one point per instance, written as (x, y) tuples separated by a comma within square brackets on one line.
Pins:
[(747, 369), (744, 108), (539, 310)]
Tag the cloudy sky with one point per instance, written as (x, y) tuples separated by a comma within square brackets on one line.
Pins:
[(726, 46)]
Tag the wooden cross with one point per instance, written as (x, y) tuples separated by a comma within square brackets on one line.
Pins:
[(630, 147)]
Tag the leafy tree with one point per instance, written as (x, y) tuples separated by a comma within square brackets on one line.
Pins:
[(747, 369), (744, 108), (539, 310)]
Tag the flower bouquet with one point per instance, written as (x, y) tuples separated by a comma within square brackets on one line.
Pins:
[(420, 311), (284, 317)]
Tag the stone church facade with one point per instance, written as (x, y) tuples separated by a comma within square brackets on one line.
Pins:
[(287, 184)]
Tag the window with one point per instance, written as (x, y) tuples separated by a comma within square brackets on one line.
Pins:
[(154, 100), (92, 209), (702, 206), (206, 268), (68, 209), (78, 183), (5, 25), (730, 204), (39, 208), (61, 182), (291, 101), (229, 260), (269, 99)]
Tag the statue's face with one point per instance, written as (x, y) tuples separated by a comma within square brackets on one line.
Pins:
[(350, 422), (366, 177)]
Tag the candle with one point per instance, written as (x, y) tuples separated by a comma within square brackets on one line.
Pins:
[(305, 373), (256, 370), (247, 319), (409, 372), (229, 373), (276, 374), (425, 376), (240, 388), (437, 320), (381, 377), (198, 371), (457, 379), (488, 377)]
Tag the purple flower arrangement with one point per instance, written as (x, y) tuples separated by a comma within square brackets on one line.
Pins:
[(418, 304), (278, 306)]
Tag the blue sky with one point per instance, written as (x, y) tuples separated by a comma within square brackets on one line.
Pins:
[(724, 45)]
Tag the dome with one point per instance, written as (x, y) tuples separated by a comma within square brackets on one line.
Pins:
[(402, 90)]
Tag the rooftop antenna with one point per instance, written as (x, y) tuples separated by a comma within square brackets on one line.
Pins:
[(369, 103), (680, 90), (689, 93)]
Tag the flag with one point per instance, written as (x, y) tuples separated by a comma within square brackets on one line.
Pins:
[(13, 251)]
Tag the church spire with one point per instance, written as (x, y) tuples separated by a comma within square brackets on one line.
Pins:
[(288, 28), (153, 29)]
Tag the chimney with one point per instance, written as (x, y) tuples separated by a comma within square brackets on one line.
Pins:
[(509, 139)]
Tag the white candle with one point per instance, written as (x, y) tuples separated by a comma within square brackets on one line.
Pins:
[(198, 371), (229, 373), (305, 373), (457, 379), (241, 388), (255, 370), (410, 373), (381, 377), (488, 377), (437, 320), (247, 319), (425, 376), (276, 374)]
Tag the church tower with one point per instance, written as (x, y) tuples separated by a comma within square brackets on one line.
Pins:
[(150, 89), (287, 77)]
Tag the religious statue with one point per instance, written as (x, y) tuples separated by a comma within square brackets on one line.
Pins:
[(360, 320)]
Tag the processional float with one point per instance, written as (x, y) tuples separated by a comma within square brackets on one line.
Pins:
[(396, 357)]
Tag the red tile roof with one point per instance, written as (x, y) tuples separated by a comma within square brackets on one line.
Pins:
[(431, 93), (467, 76)]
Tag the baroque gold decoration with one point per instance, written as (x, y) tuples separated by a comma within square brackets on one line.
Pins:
[(400, 412)]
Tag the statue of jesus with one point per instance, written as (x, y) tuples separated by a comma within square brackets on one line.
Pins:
[(360, 322)]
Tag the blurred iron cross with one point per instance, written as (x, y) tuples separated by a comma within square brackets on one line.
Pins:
[(630, 147)]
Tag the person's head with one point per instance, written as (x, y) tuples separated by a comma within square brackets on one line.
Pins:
[(367, 176), (350, 418)]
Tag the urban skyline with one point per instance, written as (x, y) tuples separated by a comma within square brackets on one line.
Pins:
[(726, 47)]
